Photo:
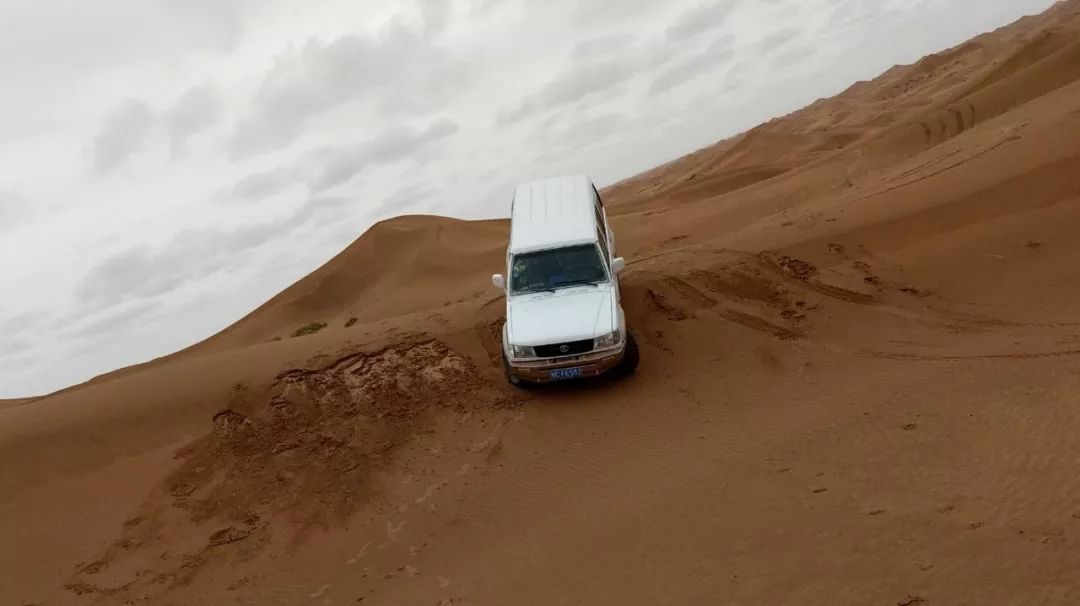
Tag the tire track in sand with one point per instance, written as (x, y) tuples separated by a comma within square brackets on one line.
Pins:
[(700, 300), (792, 269)]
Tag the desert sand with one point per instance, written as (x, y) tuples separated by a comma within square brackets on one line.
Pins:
[(860, 384)]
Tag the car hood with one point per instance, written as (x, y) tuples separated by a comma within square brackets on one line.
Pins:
[(567, 315)]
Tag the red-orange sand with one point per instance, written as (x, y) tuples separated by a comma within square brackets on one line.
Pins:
[(860, 384)]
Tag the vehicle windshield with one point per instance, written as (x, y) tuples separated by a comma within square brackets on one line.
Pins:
[(556, 268)]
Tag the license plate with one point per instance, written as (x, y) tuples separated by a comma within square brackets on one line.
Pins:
[(565, 373)]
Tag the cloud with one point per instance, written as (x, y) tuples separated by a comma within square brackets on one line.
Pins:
[(127, 127), (600, 46), (579, 133), (321, 209), (398, 71), (142, 273), (123, 132), (701, 19), (195, 110), (65, 40), (612, 11), (853, 13), (703, 64), (777, 40), (14, 211), (135, 273), (214, 23), (792, 56), (436, 15), (110, 322), (337, 166), (405, 198), (580, 82), (13, 362), (262, 185), (484, 8), (14, 346), (21, 323)]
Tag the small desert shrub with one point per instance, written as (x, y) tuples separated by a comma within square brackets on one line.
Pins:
[(310, 329), (350, 322)]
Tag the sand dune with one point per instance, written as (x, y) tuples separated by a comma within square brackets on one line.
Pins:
[(860, 332), (11, 403)]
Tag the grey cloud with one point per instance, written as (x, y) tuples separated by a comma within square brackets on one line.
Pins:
[(561, 141), (142, 273), (400, 70), (14, 211), (225, 244), (610, 11), (407, 197), (197, 109), (213, 22), (337, 166), (778, 39), (583, 131), (320, 209), (599, 46), (701, 19), (17, 322), (792, 56), (20, 324), (702, 64), (738, 75), (580, 82), (854, 12), (134, 272), (437, 15), (742, 69), (123, 132), (477, 8), (69, 39), (262, 185), (422, 92), (112, 321), (13, 346), (19, 362)]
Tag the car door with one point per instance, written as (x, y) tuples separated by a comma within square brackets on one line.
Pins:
[(605, 252)]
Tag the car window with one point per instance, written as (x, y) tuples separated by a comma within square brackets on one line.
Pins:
[(556, 268)]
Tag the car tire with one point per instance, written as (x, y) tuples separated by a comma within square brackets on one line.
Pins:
[(510, 378), (631, 357)]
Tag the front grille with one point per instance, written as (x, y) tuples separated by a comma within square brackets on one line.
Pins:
[(571, 349)]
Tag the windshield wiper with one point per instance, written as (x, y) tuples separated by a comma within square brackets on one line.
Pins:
[(577, 282)]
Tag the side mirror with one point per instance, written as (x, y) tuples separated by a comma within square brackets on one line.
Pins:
[(617, 264), (499, 281)]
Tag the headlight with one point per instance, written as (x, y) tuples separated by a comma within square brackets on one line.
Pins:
[(523, 351), (609, 340)]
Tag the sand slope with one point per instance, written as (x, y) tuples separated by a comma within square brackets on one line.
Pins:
[(860, 337)]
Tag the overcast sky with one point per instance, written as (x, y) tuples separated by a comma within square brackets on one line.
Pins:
[(168, 165)]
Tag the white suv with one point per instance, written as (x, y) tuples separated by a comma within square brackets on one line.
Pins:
[(564, 318)]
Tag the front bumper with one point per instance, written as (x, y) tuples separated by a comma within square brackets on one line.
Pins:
[(592, 364)]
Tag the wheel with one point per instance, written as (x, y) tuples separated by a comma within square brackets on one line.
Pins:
[(510, 378), (631, 357)]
